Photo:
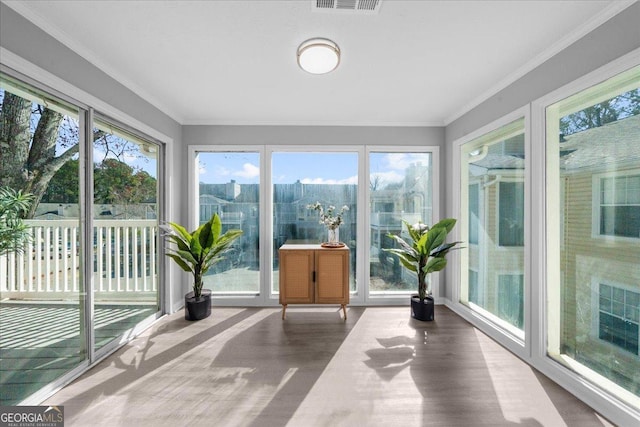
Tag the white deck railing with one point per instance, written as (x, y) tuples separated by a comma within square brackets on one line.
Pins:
[(124, 261)]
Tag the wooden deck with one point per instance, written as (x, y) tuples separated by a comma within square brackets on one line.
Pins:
[(40, 342)]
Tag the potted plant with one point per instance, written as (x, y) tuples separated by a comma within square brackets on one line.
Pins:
[(14, 233), (196, 253), (425, 255)]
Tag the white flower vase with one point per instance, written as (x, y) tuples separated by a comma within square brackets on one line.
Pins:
[(334, 235)]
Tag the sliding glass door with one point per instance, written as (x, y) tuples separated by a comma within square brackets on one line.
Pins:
[(42, 310), (126, 242), (76, 275)]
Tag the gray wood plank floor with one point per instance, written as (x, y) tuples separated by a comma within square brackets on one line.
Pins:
[(247, 367)]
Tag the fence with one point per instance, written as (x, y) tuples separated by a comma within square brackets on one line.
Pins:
[(124, 258)]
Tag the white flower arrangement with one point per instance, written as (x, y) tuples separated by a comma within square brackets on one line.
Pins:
[(327, 217)]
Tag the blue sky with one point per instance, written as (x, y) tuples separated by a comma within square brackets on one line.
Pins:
[(288, 167)]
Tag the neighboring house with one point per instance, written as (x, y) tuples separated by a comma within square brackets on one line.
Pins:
[(496, 229), (602, 233)]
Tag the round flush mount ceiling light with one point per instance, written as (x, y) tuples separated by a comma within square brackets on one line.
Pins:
[(318, 56)]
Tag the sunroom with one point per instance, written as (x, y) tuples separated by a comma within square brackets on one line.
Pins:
[(521, 120)]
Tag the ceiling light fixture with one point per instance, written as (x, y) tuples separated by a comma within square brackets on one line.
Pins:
[(318, 56)]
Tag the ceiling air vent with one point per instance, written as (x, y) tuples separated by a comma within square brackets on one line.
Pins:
[(363, 6)]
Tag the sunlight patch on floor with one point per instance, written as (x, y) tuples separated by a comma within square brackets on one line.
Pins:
[(514, 381)]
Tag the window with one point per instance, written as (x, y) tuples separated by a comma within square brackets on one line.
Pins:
[(593, 189), (511, 214), (400, 185), (229, 185), (492, 207), (619, 205), (618, 317), (301, 179)]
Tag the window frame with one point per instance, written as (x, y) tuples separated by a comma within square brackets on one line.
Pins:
[(507, 335), (594, 333), (596, 205), (605, 395)]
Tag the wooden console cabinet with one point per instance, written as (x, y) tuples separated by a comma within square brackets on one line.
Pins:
[(311, 274)]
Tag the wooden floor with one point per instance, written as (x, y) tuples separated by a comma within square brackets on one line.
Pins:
[(247, 367)]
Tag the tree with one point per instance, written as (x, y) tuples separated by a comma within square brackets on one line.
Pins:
[(619, 107), (28, 139), (36, 142), (118, 183), (64, 185)]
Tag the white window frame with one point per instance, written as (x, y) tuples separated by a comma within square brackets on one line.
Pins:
[(516, 340), (397, 297), (596, 281), (601, 393), (596, 205), (361, 296)]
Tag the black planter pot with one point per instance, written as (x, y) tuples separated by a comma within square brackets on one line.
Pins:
[(197, 309), (421, 310)]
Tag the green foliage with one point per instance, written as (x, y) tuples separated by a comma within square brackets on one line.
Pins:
[(197, 251), (610, 110), (14, 233), (427, 251), (115, 183)]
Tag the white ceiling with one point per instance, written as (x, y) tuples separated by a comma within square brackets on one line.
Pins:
[(234, 62)]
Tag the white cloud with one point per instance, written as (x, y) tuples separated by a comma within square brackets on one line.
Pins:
[(248, 171), (350, 180), (390, 177), (401, 161)]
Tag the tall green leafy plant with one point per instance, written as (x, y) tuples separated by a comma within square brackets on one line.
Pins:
[(14, 233), (197, 251), (427, 251)]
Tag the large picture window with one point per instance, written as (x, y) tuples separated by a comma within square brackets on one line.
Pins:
[(401, 189), (301, 179), (492, 211), (229, 185), (593, 225)]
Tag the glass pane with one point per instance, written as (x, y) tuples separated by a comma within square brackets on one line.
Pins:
[(511, 214), (474, 213), (303, 179), (510, 299), (493, 204), (125, 231), (229, 185), (39, 266), (401, 190), (591, 278)]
